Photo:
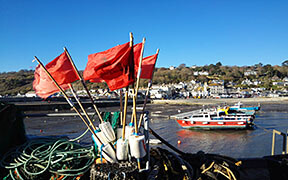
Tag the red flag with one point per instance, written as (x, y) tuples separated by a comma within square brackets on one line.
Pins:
[(43, 84), (115, 66), (148, 64), (96, 80), (60, 69), (137, 52)]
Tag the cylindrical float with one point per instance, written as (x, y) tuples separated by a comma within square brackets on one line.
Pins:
[(107, 130), (137, 146), (129, 130), (122, 149)]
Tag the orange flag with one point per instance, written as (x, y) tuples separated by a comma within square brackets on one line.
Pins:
[(115, 66), (60, 69)]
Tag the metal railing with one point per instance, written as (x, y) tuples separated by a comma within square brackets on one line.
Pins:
[(284, 142)]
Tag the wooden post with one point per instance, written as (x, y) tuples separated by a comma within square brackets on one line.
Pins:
[(145, 102), (147, 92), (135, 91), (121, 106), (286, 142), (134, 113), (84, 85), (67, 99), (140, 66), (125, 114), (126, 96), (80, 104)]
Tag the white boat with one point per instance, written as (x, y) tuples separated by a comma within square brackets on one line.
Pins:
[(212, 119)]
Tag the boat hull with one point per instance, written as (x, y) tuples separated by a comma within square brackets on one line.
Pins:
[(257, 108), (212, 124)]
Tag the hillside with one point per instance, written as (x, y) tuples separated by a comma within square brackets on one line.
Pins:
[(12, 83)]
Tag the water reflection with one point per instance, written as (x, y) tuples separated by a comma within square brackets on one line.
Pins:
[(218, 141)]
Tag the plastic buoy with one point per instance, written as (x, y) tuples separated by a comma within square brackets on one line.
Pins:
[(179, 142), (100, 161)]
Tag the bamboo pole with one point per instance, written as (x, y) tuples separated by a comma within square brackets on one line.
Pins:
[(145, 102), (134, 114), (80, 104), (147, 92), (140, 66), (125, 114), (135, 91), (84, 85), (126, 96), (67, 99), (121, 106)]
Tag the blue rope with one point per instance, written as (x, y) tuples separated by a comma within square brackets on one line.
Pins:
[(101, 152)]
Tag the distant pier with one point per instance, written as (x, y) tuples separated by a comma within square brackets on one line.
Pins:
[(59, 103)]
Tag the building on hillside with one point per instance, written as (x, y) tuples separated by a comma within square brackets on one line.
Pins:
[(250, 72), (285, 79), (200, 92), (247, 82), (278, 83), (216, 89), (256, 82), (31, 94), (172, 67), (201, 73), (160, 92), (180, 85)]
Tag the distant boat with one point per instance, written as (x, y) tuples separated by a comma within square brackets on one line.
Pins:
[(239, 107), (212, 119)]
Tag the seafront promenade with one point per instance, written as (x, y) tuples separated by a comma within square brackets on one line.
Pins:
[(229, 101)]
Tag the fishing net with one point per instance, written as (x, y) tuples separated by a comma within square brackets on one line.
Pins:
[(44, 158), (115, 171)]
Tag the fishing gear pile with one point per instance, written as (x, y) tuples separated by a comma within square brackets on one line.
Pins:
[(48, 159)]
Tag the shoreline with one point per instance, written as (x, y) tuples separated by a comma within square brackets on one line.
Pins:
[(229, 101)]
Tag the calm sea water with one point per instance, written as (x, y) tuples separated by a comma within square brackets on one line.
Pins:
[(233, 143)]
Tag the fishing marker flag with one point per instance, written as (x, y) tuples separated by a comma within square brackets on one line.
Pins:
[(148, 64), (115, 66), (137, 52), (60, 69), (43, 85)]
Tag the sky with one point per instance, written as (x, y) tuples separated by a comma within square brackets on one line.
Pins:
[(191, 32)]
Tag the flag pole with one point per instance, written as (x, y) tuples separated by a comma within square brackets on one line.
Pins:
[(80, 104), (67, 99), (121, 106), (126, 96), (125, 114), (84, 85), (147, 93), (135, 91), (140, 66)]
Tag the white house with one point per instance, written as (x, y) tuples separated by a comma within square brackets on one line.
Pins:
[(171, 67), (250, 72), (201, 73), (31, 94)]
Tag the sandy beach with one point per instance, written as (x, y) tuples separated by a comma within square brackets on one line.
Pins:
[(261, 100)]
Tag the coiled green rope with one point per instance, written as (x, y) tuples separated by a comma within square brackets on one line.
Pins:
[(48, 157)]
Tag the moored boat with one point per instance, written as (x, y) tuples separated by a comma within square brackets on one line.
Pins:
[(209, 119), (239, 107)]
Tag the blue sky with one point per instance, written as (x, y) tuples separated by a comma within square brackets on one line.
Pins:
[(193, 32)]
